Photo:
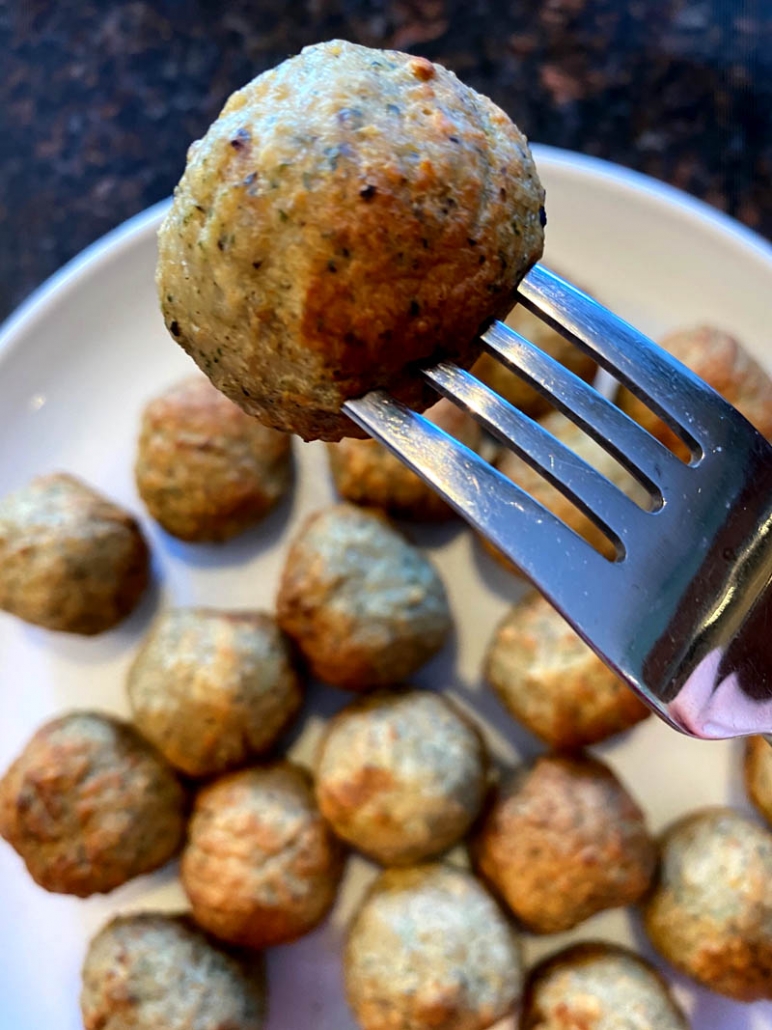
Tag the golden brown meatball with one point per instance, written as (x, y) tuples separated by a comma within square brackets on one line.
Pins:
[(514, 389), (213, 689), (366, 473), (69, 559), (89, 805), (598, 986), (260, 866), (563, 841), (150, 971), (205, 469), (724, 364), (351, 214), (401, 775), (710, 912), (429, 949), (366, 608), (758, 775), (549, 679)]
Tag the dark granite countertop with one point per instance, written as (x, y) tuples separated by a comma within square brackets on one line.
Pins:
[(100, 98)]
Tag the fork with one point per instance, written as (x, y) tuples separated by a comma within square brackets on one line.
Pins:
[(684, 612)]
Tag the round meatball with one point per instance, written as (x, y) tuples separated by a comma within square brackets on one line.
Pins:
[(598, 986), (89, 805), (758, 775), (401, 776), (70, 560), (724, 364), (365, 607), (213, 689), (710, 912), (514, 389), (206, 470), (549, 679), (149, 971), (366, 473), (565, 840), (429, 949), (261, 866), (351, 214)]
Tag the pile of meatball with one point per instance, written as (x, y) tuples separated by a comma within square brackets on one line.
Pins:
[(473, 857)]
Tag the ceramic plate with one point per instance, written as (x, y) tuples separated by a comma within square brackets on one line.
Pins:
[(77, 363)]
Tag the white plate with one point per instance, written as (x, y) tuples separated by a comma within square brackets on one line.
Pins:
[(78, 361)]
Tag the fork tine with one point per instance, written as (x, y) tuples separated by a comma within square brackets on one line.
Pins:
[(656, 468), (680, 398), (612, 511)]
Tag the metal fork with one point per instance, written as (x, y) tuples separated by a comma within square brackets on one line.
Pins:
[(684, 613)]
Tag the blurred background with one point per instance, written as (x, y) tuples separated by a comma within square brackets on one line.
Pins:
[(99, 100)]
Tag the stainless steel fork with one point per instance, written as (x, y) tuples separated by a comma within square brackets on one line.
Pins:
[(684, 613)]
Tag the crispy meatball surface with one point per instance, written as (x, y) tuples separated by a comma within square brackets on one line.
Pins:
[(598, 986), (205, 469), (366, 473), (365, 607), (724, 364), (213, 689), (261, 866), (69, 559), (89, 805), (710, 912), (563, 841), (351, 214), (401, 775), (151, 971), (550, 681), (429, 949), (758, 775)]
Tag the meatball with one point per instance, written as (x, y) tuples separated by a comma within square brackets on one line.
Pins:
[(429, 949), (710, 912), (758, 775), (598, 986), (206, 470), (213, 689), (366, 608), (549, 679), (724, 364), (260, 866), (70, 559), (401, 776), (89, 805), (563, 841), (149, 971), (514, 389), (351, 214), (366, 473)]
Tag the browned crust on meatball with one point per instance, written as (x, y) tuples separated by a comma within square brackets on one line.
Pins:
[(70, 560), (598, 986), (261, 866), (89, 805), (151, 971), (563, 841), (757, 769), (710, 910), (552, 682), (213, 689), (373, 226), (206, 470), (401, 775), (365, 607), (366, 473)]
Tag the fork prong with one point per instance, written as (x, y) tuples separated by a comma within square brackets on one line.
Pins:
[(689, 406), (615, 514), (649, 461), (547, 551)]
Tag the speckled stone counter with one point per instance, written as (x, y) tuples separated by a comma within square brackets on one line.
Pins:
[(99, 100)]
